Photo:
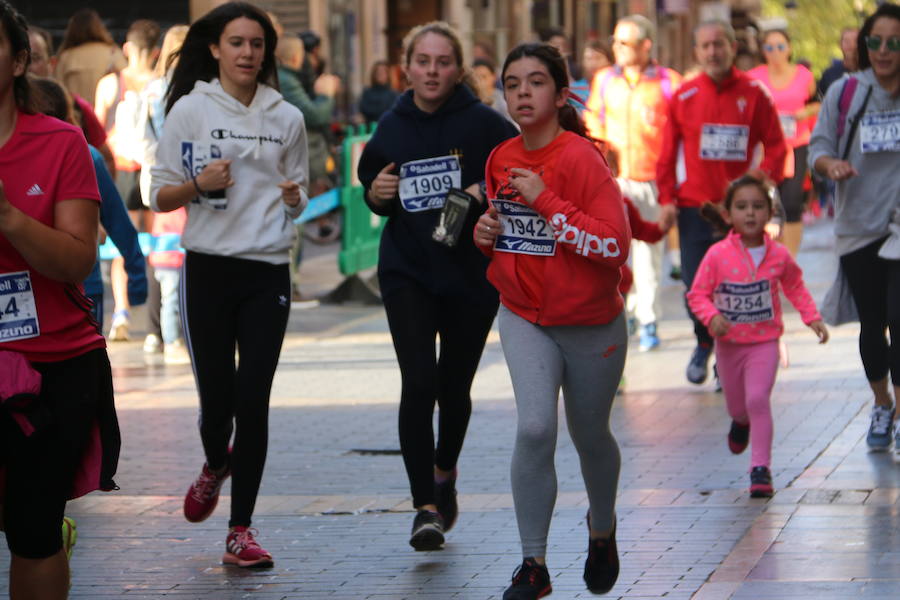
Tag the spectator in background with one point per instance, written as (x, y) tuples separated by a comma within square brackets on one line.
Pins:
[(557, 38), (485, 74), (313, 63), (317, 109), (86, 54), (848, 64), (42, 66), (378, 98), (119, 107), (596, 56)]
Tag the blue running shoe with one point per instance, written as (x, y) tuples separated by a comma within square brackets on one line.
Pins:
[(649, 339)]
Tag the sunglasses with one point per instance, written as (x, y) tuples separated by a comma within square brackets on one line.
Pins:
[(773, 47), (874, 43)]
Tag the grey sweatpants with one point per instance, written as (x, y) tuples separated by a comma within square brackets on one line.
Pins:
[(586, 361)]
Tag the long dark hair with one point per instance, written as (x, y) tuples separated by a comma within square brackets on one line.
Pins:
[(885, 10), (196, 62), (556, 66), (85, 26), (711, 212), (16, 30)]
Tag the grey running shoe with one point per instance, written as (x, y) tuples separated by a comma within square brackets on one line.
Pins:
[(697, 370), (427, 531), (879, 437)]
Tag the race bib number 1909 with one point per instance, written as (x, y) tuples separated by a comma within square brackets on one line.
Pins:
[(18, 313), (424, 183)]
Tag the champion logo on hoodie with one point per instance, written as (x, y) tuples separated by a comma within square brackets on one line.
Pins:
[(228, 134)]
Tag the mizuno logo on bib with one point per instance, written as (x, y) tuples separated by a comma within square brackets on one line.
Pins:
[(745, 302), (724, 142), (18, 313), (424, 183), (523, 230), (880, 132)]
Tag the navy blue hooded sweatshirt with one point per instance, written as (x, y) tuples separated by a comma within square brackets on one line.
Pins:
[(464, 127)]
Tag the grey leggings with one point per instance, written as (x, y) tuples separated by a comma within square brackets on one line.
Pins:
[(587, 362)]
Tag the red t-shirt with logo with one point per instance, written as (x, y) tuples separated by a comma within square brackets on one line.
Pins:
[(44, 162)]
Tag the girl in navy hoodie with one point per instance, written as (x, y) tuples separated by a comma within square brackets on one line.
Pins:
[(438, 135)]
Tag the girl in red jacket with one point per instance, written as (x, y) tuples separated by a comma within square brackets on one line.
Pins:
[(735, 294), (557, 235)]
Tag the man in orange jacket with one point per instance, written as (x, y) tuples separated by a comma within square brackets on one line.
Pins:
[(628, 108)]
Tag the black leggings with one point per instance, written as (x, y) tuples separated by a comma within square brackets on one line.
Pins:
[(40, 469), (416, 317), (875, 286), (233, 302), (791, 189)]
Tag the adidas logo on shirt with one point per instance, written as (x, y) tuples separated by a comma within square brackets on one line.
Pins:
[(35, 190)]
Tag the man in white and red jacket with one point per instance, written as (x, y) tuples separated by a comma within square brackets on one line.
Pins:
[(717, 120)]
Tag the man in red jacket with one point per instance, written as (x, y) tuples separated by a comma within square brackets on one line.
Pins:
[(718, 119)]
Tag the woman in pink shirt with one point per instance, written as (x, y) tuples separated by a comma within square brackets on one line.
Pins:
[(792, 87), (735, 294)]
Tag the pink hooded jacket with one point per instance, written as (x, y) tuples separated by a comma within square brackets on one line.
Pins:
[(728, 283)]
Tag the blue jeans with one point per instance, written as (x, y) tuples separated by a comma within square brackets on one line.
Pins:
[(169, 312), (695, 237)]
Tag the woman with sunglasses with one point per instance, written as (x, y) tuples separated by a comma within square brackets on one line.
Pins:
[(793, 88), (856, 144)]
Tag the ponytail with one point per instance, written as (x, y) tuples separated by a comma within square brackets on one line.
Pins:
[(569, 119)]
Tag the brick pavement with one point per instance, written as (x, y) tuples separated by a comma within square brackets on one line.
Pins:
[(334, 505)]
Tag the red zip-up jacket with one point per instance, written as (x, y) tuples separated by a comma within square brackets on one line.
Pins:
[(582, 210), (738, 105)]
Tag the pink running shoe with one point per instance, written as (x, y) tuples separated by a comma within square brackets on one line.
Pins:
[(203, 495), (242, 550)]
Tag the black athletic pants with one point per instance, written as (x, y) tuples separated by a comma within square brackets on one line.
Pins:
[(875, 286), (416, 318), (230, 303)]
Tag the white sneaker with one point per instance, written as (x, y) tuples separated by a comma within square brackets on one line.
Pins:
[(880, 428), (897, 442), (176, 354), (152, 344), (118, 329)]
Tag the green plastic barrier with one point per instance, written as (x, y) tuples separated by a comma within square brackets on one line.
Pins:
[(362, 228)]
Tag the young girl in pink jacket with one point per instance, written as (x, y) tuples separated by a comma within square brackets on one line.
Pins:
[(735, 294)]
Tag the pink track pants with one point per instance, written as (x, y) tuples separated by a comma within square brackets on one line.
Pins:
[(747, 373)]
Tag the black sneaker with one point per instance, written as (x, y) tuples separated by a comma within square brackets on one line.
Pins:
[(427, 531), (738, 437), (697, 369), (761, 483), (601, 568), (530, 581), (445, 499)]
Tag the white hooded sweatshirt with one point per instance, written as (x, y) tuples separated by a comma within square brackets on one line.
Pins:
[(266, 143)]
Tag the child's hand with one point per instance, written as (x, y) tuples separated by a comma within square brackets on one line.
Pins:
[(290, 192), (528, 183), (719, 326), (820, 330)]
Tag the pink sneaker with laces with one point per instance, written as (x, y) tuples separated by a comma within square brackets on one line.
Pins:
[(203, 495), (241, 549)]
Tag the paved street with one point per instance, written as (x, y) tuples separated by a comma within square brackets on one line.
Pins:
[(335, 512)]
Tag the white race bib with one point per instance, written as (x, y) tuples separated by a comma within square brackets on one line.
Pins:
[(724, 142), (424, 183), (745, 302), (194, 158), (523, 230), (18, 313), (880, 132), (788, 125)]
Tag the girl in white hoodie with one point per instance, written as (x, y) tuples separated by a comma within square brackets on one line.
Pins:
[(234, 153)]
